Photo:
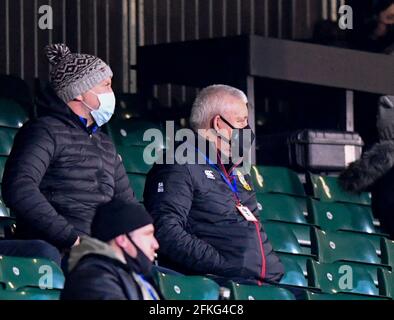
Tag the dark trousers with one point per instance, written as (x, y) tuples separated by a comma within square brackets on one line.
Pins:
[(30, 249)]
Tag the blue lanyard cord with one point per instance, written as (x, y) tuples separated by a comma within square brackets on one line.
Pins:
[(232, 184), (148, 287)]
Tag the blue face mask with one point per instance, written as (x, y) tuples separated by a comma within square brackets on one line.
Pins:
[(106, 109)]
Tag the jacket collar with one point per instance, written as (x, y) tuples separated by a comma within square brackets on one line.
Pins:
[(49, 104)]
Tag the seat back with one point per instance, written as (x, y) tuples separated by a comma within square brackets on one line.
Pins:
[(130, 132), (281, 239), (30, 294), (386, 283), (3, 160), (340, 277), (276, 180), (12, 115), (338, 296), (174, 287), (246, 292), (280, 207), (387, 252), (19, 273), (293, 273), (328, 189), (282, 235), (340, 246), (334, 216), (137, 182)]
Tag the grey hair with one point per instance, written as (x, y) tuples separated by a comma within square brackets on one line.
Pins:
[(209, 103)]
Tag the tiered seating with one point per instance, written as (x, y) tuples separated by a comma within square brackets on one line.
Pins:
[(329, 229), (283, 212), (29, 279)]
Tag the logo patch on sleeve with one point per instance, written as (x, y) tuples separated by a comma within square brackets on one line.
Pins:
[(160, 187), (210, 174)]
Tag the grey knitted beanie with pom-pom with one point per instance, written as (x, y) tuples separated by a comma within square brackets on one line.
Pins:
[(73, 73)]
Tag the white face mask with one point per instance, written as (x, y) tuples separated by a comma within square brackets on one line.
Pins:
[(106, 109)]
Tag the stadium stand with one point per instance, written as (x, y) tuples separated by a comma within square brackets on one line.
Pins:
[(310, 232)]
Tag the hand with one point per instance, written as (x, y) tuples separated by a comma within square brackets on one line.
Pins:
[(76, 243)]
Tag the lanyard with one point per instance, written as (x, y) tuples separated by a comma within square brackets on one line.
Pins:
[(147, 287), (231, 183)]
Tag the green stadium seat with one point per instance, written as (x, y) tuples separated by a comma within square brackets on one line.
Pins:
[(388, 252), (339, 296), (299, 259), (281, 240), (4, 212), (6, 140), (294, 274), (335, 216), (130, 132), (174, 287), (20, 273), (280, 207), (343, 246), (137, 182), (276, 180), (30, 294), (327, 189), (133, 158), (340, 277), (386, 283), (247, 292), (7, 227), (12, 115), (2, 165), (289, 237)]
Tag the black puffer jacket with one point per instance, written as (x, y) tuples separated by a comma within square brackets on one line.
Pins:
[(97, 273), (58, 173), (199, 229)]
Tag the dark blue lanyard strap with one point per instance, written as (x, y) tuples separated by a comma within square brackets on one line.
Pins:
[(232, 184)]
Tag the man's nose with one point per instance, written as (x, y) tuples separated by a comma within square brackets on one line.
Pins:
[(155, 244)]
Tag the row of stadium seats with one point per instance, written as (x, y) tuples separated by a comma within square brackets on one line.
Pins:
[(40, 279)]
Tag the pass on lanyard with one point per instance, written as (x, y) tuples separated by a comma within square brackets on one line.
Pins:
[(243, 210)]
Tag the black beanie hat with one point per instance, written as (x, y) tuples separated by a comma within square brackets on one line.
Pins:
[(118, 217)]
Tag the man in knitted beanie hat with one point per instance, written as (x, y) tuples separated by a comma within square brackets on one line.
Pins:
[(62, 166), (115, 263), (83, 82)]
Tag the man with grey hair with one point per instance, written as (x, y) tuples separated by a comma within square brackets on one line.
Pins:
[(205, 213)]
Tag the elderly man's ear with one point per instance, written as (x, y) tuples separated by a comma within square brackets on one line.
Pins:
[(216, 123)]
